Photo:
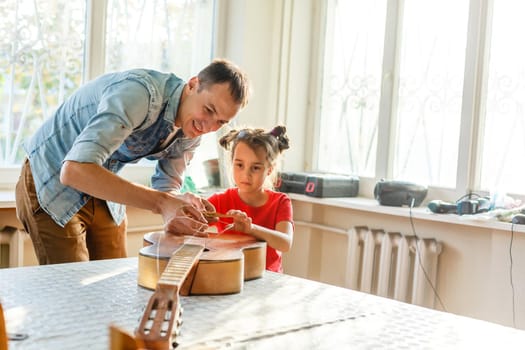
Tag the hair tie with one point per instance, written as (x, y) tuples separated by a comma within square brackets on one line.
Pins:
[(276, 132), (241, 134)]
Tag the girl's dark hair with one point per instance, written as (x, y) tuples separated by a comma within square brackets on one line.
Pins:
[(223, 71), (274, 142)]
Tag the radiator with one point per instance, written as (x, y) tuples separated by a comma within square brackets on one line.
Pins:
[(392, 265)]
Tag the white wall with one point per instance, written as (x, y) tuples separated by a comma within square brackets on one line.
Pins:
[(272, 41)]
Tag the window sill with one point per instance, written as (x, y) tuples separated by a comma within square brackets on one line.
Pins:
[(419, 213), (7, 199), (134, 172)]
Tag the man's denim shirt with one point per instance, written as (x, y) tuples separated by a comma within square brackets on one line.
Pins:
[(113, 120)]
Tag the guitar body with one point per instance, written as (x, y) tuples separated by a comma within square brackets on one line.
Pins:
[(226, 262)]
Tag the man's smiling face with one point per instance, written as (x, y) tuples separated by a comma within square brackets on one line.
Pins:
[(203, 110)]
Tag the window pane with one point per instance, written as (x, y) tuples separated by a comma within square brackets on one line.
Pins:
[(171, 36), (351, 86), (41, 60), (504, 142), (428, 115)]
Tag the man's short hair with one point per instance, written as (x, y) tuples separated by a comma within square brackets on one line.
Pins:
[(223, 71)]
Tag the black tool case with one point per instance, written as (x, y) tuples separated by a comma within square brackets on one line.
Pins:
[(291, 182), (319, 184)]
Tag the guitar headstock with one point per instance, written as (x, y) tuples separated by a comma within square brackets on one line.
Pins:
[(161, 321), (162, 318)]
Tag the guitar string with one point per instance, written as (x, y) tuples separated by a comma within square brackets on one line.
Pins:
[(157, 262), (161, 238)]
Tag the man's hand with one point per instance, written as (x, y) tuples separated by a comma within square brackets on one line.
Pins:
[(198, 202), (183, 222), (183, 215)]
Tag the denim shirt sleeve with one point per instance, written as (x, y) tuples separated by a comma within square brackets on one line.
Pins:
[(169, 172), (123, 107)]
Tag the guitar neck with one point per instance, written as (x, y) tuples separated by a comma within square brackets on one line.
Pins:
[(179, 266), (163, 311)]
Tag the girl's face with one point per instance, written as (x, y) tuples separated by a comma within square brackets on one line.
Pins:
[(250, 168)]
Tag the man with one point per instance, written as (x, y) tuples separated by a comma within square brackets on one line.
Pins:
[(69, 197)]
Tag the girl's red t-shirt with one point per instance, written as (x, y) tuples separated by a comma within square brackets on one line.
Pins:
[(277, 208)]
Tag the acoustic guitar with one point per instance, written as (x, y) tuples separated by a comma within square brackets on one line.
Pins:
[(174, 265), (226, 262)]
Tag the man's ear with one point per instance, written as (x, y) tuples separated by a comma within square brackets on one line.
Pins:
[(193, 83)]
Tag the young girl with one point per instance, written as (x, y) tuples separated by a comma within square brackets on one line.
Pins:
[(257, 210)]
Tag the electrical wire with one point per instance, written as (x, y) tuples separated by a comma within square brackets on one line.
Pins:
[(511, 280), (469, 196), (419, 258)]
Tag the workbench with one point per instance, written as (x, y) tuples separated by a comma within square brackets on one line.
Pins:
[(70, 306)]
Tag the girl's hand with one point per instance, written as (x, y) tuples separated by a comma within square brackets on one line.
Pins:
[(241, 221)]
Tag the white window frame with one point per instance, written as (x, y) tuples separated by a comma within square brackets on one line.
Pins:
[(475, 78), (94, 65)]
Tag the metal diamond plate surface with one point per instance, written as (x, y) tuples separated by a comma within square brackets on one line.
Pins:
[(70, 306)]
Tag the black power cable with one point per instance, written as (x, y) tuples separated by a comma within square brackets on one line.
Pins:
[(511, 280), (419, 258)]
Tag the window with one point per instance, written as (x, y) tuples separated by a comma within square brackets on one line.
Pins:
[(41, 64), (352, 86), (173, 37), (48, 47), (426, 91), (503, 135), (427, 99)]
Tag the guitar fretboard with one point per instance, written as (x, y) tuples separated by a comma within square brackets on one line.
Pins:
[(180, 265)]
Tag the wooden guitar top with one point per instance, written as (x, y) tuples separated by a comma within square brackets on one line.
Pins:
[(226, 262)]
